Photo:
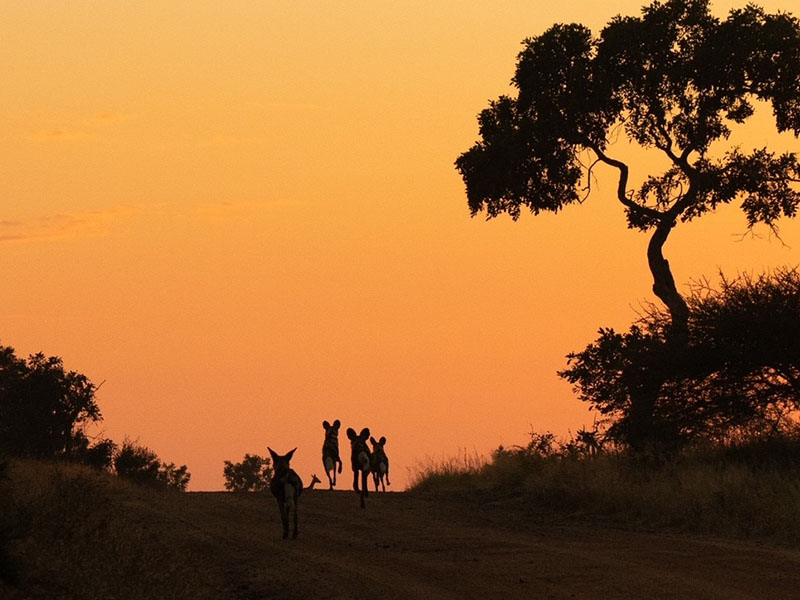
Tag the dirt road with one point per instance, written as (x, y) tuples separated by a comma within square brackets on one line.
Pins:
[(404, 546)]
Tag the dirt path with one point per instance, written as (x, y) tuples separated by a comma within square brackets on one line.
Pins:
[(408, 547)]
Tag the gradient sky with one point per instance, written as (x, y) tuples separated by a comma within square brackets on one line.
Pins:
[(243, 218)]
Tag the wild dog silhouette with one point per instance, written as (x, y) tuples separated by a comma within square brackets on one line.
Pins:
[(286, 486), (379, 463), (330, 451), (360, 460)]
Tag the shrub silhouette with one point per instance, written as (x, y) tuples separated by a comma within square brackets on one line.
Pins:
[(253, 474), (140, 464), (737, 377)]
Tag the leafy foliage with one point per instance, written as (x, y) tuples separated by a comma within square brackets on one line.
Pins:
[(99, 455), (44, 409), (253, 474), (738, 376), (137, 463), (140, 464), (675, 80), (174, 477)]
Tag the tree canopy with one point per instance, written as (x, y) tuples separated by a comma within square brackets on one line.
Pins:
[(675, 79), (253, 474), (44, 409)]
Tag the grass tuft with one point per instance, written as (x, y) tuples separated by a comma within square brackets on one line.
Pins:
[(745, 491)]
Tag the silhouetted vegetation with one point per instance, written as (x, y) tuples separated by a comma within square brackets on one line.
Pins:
[(741, 489), (44, 409), (140, 464), (253, 474), (737, 378), (717, 451), (82, 533), (675, 80)]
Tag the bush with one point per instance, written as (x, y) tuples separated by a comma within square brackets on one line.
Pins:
[(738, 374), (253, 474), (140, 464)]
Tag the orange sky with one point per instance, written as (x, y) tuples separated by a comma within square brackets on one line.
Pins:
[(244, 218)]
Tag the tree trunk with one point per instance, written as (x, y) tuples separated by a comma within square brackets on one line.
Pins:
[(664, 284)]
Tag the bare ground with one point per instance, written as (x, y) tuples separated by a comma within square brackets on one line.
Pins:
[(406, 546)]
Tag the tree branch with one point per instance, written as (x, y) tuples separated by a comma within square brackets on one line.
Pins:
[(589, 174), (622, 185)]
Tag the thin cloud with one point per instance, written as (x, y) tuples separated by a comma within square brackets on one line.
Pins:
[(85, 128), (60, 134), (61, 226)]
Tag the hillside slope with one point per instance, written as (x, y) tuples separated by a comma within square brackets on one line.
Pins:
[(105, 540)]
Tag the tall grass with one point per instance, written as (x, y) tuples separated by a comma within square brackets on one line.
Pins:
[(749, 491), (446, 473), (80, 533)]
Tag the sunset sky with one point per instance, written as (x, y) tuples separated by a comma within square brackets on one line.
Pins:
[(243, 217)]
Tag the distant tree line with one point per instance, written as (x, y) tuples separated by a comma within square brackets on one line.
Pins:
[(45, 411)]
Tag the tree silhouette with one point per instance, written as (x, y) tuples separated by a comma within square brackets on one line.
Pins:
[(253, 474), (43, 408), (739, 373), (675, 80)]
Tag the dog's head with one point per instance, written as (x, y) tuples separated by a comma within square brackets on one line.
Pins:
[(377, 444), (358, 438), (328, 427), (280, 463)]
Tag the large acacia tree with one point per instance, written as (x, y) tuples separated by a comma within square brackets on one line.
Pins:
[(675, 80)]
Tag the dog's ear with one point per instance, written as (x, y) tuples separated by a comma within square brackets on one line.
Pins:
[(383, 440), (373, 442), (337, 423), (289, 454), (274, 455), (364, 435), (351, 433), (326, 425)]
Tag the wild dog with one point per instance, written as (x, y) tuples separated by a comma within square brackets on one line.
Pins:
[(330, 451), (379, 464), (359, 460), (286, 486), (314, 481)]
